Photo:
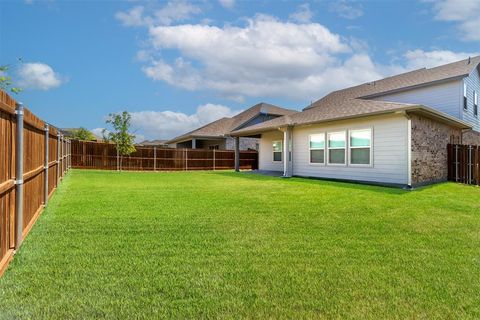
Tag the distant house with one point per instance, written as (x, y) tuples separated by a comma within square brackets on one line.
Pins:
[(391, 131), (153, 143), (69, 133), (215, 135)]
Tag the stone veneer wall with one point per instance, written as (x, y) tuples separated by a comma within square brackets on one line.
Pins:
[(245, 143), (429, 149), (471, 137)]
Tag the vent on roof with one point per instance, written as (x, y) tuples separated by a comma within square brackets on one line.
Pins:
[(469, 60)]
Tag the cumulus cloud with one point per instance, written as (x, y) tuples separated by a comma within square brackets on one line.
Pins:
[(416, 59), (229, 4), (173, 11), (169, 124), (346, 9), (303, 14), (464, 12), (38, 76)]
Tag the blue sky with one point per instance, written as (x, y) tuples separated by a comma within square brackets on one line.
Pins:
[(179, 64)]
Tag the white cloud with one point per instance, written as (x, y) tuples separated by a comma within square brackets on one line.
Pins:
[(303, 14), (465, 12), (173, 11), (98, 132), (416, 59), (229, 4), (169, 124), (346, 9), (133, 17), (38, 76)]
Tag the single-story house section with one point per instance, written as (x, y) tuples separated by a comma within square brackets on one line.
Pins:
[(153, 143), (393, 131), (215, 135)]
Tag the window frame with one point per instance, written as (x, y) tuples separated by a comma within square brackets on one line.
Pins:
[(465, 95), (328, 163), (350, 148), (475, 103), (281, 151), (324, 149)]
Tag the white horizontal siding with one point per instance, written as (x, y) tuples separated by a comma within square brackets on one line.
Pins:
[(265, 152), (390, 164), (445, 97), (473, 84)]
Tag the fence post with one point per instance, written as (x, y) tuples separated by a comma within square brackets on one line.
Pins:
[(19, 177), (154, 158), (45, 199), (186, 159), (214, 159), (118, 160), (456, 162), (58, 156)]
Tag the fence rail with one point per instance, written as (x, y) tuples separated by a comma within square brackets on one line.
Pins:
[(98, 155), (26, 185), (464, 163)]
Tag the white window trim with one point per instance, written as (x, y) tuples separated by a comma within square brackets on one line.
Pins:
[(350, 149), (465, 97), (324, 149), (281, 151), (328, 148)]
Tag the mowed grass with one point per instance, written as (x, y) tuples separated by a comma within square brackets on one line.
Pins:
[(224, 245)]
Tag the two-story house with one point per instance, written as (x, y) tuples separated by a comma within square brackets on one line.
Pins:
[(391, 131)]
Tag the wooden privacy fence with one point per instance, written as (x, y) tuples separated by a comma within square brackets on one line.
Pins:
[(98, 155), (464, 163), (33, 159)]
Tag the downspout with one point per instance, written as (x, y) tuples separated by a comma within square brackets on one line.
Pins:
[(409, 149)]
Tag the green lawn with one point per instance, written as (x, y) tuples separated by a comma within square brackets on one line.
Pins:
[(225, 245)]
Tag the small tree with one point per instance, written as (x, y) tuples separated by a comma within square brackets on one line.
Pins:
[(119, 135), (6, 81), (82, 134)]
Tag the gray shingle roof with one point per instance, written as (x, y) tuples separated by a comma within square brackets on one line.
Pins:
[(223, 126), (352, 102)]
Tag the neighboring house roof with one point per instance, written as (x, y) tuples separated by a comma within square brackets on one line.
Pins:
[(404, 81), (222, 127), (353, 102), (348, 109), (152, 143)]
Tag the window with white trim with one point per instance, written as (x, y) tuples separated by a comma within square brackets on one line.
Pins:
[(465, 96), (475, 104), (277, 150), (360, 147), (317, 148), (336, 147)]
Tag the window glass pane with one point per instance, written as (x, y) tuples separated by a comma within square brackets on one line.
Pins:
[(360, 138), (277, 156), (317, 141), (360, 156), (317, 156), (277, 146), (336, 140), (336, 156)]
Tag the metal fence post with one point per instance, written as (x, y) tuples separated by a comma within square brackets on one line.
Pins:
[(214, 159), (19, 177), (154, 158), (456, 162), (45, 199), (118, 159), (58, 157)]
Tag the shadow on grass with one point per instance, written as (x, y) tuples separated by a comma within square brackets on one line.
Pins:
[(319, 182)]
